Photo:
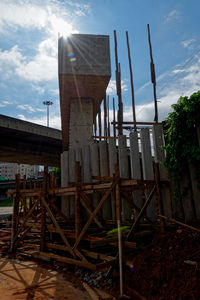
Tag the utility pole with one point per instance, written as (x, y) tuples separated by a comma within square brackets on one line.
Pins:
[(47, 103)]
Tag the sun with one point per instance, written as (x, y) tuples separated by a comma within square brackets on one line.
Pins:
[(62, 28)]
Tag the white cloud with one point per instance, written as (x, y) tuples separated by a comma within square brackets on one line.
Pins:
[(49, 18), (111, 89), (30, 109), (49, 15), (38, 89), (173, 15), (184, 80), (188, 43), (5, 103), (55, 91)]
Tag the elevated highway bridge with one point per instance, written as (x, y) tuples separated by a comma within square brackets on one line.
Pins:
[(29, 143)]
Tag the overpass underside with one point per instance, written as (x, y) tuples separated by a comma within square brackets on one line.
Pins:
[(28, 143)]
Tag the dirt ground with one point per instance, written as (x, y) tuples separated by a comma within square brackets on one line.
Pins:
[(20, 280)]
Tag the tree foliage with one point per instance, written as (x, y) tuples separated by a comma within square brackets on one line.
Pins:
[(181, 141)]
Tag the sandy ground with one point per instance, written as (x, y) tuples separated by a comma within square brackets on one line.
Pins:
[(20, 280)]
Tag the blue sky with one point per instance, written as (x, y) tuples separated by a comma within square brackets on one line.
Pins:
[(28, 51)]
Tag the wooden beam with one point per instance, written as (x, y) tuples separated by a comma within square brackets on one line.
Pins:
[(58, 227), (142, 211), (67, 260), (85, 201), (103, 199)]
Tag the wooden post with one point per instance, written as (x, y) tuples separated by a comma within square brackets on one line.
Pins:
[(43, 211), (15, 217), (118, 218), (77, 200), (131, 78), (153, 76)]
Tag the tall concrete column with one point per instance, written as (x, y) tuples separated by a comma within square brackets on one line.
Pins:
[(135, 168), (103, 152), (124, 173), (147, 167)]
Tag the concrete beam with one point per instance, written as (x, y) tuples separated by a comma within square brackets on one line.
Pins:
[(29, 143)]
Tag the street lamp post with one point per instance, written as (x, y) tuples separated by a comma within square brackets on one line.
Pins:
[(47, 103)]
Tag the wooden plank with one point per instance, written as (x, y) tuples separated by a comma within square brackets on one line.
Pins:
[(103, 199), (137, 123), (68, 260), (179, 223), (97, 255)]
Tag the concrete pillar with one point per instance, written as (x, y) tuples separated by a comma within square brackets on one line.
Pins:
[(159, 154), (64, 181), (135, 168), (124, 173), (86, 165), (112, 152), (81, 123), (94, 151), (147, 168), (103, 153)]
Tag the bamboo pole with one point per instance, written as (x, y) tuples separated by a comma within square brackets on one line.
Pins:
[(153, 75), (131, 79)]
